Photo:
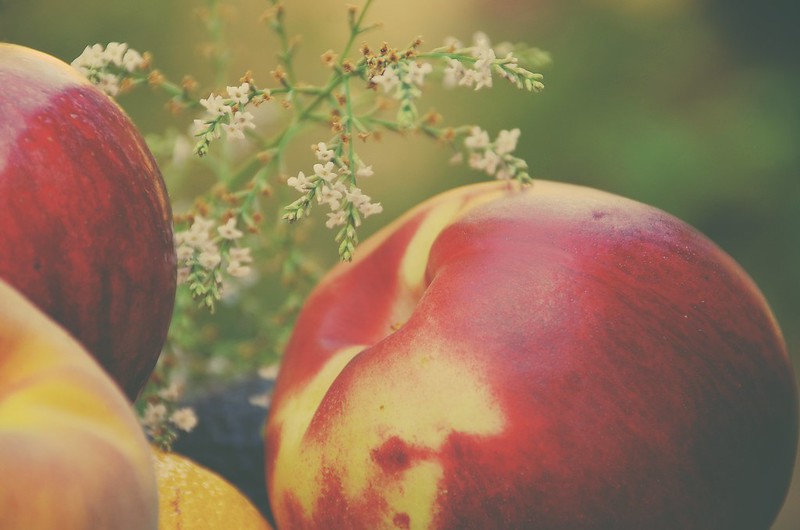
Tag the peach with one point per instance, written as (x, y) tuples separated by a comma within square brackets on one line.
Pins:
[(72, 453), (554, 357)]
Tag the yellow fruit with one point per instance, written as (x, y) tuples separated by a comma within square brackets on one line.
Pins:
[(192, 497)]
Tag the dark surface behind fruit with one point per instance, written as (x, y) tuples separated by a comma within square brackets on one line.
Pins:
[(228, 437)]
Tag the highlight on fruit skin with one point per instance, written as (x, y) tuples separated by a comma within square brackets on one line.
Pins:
[(195, 498), (72, 453)]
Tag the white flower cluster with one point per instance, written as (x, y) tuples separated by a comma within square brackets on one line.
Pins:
[(480, 75), (160, 414), (495, 158), (224, 114), (197, 246), (328, 185), (403, 77), (484, 61), (105, 66), (157, 414)]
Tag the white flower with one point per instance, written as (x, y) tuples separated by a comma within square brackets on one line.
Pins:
[(388, 79), (114, 53), (197, 235), (506, 141), (239, 121), (415, 74), (330, 196), (217, 365), (172, 392), (109, 83), (488, 162), (233, 131), (336, 218), (195, 238), (183, 274), (209, 260), (184, 252), (92, 57), (453, 43), (301, 182), (261, 400), (323, 153), (215, 105), (480, 40), (269, 372), (364, 171), (199, 127), (456, 159), (184, 419), (486, 58), (237, 269), (477, 139), (481, 74), (357, 197), (468, 78), (482, 78), (476, 161), (453, 73), (132, 60), (325, 172), (240, 94), (154, 414), (370, 208), (229, 231), (201, 224), (240, 254)]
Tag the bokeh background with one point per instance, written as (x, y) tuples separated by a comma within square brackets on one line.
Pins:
[(689, 105)]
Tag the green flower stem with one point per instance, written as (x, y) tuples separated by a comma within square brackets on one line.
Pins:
[(322, 95), (355, 31), (286, 54), (216, 27), (348, 128), (447, 55), (392, 126)]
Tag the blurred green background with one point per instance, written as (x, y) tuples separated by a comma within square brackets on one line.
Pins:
[(689, 105)]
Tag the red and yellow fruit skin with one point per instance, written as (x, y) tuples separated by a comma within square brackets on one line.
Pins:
[(72, 454), (552, 358), (86, 220)]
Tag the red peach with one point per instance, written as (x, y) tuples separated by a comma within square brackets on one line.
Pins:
[(552, 358)]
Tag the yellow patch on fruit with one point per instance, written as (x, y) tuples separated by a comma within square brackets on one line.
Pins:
[(191, 497), (415, 259), (417, 398), (296, 411)]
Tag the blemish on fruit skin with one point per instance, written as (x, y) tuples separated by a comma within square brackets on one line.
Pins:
[(597, 214), (402, 520), (175, 504), (395, 455)]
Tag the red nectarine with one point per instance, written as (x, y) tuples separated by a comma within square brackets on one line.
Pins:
[(85, 221), (551, 358)]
